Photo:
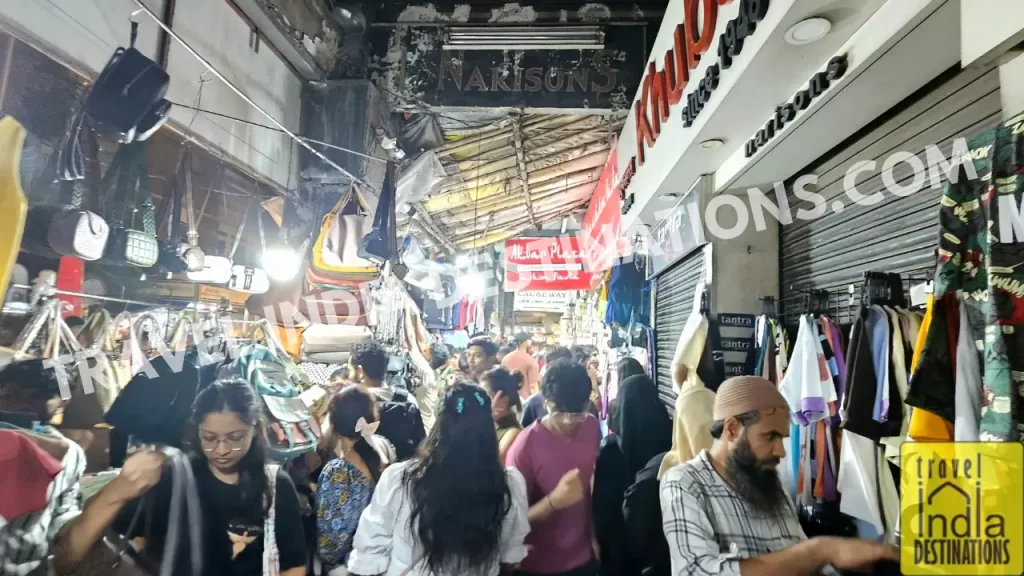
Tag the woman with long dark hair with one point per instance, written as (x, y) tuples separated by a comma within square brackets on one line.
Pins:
[(346, 482), (503, 388), (454, 510)]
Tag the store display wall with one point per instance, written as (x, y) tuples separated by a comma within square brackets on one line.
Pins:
[(896, 234)]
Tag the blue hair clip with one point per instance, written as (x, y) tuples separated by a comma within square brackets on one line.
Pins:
[(479, 398), (459, 407)]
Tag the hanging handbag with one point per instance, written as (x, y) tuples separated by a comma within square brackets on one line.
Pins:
[(129, 88), (336, 250), (172, 248), (380, 244), (133, 236), (249, 279), (78, 231)]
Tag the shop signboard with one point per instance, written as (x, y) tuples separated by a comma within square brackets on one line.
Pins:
[(543, 300), (736, 320), (602, 225), (552, 263), (676, 235), (442, 75), (734, 369), (735, 344), (673, 90)]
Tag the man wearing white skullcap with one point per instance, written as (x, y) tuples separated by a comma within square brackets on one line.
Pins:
[(725, 512)]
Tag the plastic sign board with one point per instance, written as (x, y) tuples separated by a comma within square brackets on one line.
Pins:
[(553, 263)]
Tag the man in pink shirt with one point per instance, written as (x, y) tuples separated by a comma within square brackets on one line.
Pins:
[(521, 360)]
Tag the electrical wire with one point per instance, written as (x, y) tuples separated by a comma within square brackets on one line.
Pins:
[(146, 10)]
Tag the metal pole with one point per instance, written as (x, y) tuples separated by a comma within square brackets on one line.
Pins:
[(242, 95)]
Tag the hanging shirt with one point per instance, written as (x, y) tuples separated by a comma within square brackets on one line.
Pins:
[(807, 385), (925, 425), (878, 334), (968, 386)]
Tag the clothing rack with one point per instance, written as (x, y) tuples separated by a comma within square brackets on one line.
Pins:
[(842, 302)]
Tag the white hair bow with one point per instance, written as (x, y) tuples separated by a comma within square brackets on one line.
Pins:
[(366, 430)]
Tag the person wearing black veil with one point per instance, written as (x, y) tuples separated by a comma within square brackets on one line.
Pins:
[(643, 430)]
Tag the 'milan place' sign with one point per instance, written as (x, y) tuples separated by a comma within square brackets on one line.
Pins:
[(663, 90)]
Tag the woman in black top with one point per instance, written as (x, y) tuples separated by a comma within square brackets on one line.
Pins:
[(226, 449), (642, 431)]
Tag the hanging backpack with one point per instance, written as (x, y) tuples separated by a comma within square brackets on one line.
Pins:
[(402, 424)]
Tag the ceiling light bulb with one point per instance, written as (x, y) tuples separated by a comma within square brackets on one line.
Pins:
[(712, 143), (281, 263), (808, 31)]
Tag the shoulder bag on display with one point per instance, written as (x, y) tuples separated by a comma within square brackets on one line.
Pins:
[(380, 244), (129, 94), (249, 279), (77, 230), (93, 399), (133, 235), (336, 250)]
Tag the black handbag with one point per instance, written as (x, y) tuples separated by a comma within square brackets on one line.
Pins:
[(133, 224), (128, 94), (381, 243)]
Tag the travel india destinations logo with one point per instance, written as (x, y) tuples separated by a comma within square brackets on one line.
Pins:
[(962, 508)]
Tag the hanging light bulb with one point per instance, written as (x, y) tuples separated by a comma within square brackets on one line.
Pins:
[(281, 263)]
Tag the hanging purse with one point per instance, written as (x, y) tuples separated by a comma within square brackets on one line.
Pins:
[(133, 237), (380, 244), (77, 230), (170, 260), (130, 87), (249, 279), (336, 250)]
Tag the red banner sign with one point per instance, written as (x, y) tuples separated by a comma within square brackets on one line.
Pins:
[(545, 264), (603, 222)]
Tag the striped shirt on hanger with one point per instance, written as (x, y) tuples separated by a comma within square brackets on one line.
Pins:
[(25, 542)]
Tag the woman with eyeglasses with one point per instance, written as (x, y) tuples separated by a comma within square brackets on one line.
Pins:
[(556, 455), (228, 457)]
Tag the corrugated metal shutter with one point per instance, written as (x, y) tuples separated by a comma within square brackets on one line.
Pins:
[(897, 234), (673, 302)]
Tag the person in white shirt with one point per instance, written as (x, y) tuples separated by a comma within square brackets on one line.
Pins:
[(454, 511)]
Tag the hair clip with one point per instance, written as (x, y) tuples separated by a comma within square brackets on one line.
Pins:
[(459, 407), (479, 398)]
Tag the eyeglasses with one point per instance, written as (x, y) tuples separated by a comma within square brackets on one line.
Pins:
[(232, 444)]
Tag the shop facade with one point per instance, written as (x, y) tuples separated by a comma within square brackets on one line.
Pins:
[(877, 95)]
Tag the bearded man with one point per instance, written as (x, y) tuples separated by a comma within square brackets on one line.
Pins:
[(725, 512)]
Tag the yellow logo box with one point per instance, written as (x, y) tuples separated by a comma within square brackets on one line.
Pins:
[(962, 508)]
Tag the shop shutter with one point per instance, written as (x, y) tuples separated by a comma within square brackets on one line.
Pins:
[(897, 234), (673, 302)]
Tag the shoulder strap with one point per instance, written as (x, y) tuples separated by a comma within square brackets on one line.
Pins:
[(271, 559), (400, 395)]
